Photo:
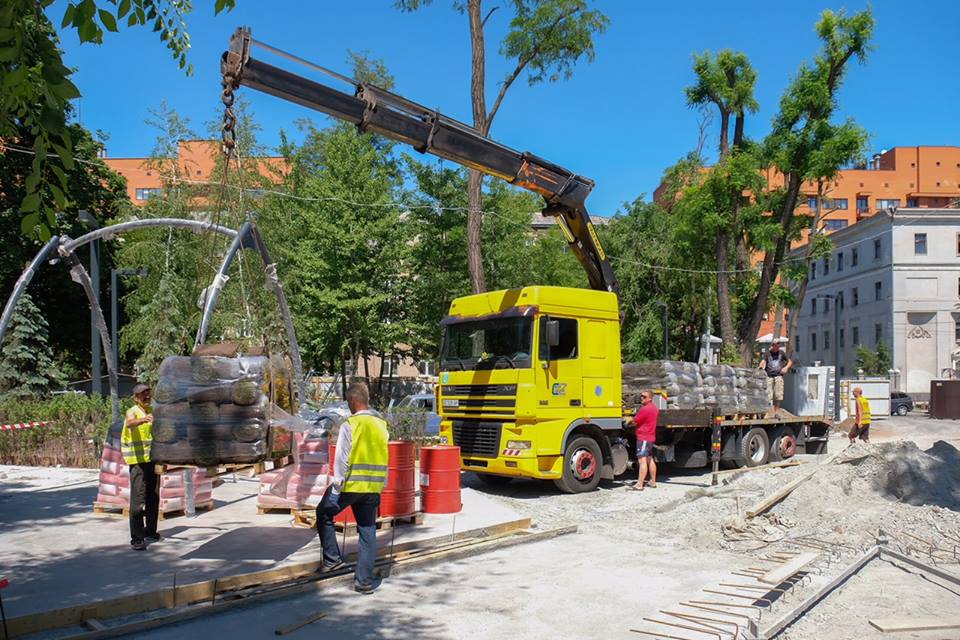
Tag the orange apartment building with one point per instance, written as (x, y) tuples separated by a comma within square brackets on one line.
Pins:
[(196, 160)]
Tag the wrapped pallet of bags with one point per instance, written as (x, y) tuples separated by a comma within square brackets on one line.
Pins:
[(215, 409), (114, 486), (680, 382)]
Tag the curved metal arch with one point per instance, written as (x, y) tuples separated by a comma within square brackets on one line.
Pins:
[(123, 227)]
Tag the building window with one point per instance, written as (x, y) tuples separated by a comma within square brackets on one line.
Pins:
[(876, 249), (912, 202), (877, 333), (856, 298), (855, 255), (863, 204), (919, 244), (878, 291), (813, 342), (891, 203), (958, 244), (840, 261), (796, 338), (840, 299), (840, 338), (835, 225), (826, 305), (813, 265), (843, 371), (145, 194), (836, 203), (826, 266), (812, 202), (826, 340), (426, 368), (956, 330), (813, 306), (855, 338)]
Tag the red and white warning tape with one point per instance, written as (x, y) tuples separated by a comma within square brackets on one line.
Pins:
[(23, 425)]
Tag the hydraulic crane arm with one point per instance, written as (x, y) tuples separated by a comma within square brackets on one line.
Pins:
[(426, 130)]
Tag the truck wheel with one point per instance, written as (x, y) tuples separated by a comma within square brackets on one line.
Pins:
[(581, 466), (902, 410), (493, 481), (783, 444), (755, 447)]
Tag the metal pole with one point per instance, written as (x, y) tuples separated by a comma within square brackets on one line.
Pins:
[(113, 316), (95, 366), (666, 332), (836, 358)]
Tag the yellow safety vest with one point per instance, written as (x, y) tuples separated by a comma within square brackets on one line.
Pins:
[(864, 410), (135, 441), (367, 464)]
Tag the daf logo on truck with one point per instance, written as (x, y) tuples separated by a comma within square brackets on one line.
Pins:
[(559, 388)]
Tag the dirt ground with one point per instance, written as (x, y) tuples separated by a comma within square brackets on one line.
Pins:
[(635, 553)]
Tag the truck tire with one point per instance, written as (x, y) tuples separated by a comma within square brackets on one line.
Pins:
[(754, 448), (493, 481), (581, 466), (783, 444)]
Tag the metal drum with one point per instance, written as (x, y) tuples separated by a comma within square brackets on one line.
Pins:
[(440, 479), (399, 498), (347, 514)]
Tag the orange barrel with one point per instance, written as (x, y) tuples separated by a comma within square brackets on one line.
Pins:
[(440, 479), (399, 498), (347, 514)]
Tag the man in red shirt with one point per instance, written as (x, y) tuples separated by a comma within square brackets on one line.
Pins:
[(646, 425)]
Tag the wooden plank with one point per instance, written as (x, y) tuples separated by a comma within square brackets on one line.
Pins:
[(315, 582), (781, 573), (169, 597), (282, 631), (94, 625), (768, 502), (914, 623)]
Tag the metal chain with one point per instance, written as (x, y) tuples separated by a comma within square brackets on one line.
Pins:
[(229, 117)]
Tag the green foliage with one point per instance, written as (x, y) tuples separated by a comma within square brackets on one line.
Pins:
[(168, 336), (27, 367), (37, 87), (78, 421), (874, 363)]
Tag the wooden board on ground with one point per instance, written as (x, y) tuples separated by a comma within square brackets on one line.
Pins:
[(784, 571), (915, 623), (771, 500), (308, 518), (263, 509), (118, 511)]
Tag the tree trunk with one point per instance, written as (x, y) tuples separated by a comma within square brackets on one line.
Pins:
[(738, 131), (724, 303), (475, 182), (724, 131)]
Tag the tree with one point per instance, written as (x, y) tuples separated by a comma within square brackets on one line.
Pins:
[(168, 336), (805, 145), (546, 40), (27, 368), (37, 86), (874, 363)]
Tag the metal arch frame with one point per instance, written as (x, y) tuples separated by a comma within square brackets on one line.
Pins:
[(248, 237), (65, 247)]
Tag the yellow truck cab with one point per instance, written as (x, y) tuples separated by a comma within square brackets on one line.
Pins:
[(530, 385)]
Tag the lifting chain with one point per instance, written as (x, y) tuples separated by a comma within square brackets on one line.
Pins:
[(229, 117)]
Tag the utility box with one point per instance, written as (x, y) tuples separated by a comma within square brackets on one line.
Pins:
[(875, 390), (808, 391), (945, 399)]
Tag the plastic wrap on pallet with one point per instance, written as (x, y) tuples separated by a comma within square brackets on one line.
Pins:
[(211, 410), (685, 385)]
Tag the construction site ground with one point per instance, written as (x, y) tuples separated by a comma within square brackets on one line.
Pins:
[(634, 554)]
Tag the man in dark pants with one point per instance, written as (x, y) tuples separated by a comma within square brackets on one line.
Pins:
[(135, 441), (360, 474)]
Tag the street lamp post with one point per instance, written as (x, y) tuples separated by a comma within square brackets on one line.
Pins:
[(666, 329), (96, 378), (114, 314)]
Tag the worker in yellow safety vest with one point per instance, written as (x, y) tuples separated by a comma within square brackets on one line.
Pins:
[(359, 476), (861, 425), (135, 441)]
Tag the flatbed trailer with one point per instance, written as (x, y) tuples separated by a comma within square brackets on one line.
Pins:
[(694, 438)]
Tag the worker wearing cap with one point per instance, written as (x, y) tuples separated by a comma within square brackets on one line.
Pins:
[(861, 426), (360, 475), (135, 441)]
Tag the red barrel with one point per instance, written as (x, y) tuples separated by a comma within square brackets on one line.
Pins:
[(347, 514), (399, 498), (440, 479)]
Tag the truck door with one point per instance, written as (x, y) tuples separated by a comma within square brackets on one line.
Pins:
[(559, 369)]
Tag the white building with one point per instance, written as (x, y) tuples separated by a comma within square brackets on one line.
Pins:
[(896, 277)]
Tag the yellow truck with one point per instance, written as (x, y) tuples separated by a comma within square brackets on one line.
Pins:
[(530, 382)]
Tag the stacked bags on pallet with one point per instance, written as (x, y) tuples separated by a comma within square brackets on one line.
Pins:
[(303, 483), (687, 385), (212, 410), (114, 489)]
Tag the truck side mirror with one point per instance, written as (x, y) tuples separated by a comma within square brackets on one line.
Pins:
[(552, 329)]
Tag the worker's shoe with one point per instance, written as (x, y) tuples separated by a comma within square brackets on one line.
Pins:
[(365, 589), (327, 568), (153, 537), (139, 546)]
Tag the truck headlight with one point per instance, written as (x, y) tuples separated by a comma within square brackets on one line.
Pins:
[(519, 444)]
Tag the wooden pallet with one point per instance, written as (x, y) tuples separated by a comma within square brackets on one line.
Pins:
[(116, 511), (308, 518), (265, 509)]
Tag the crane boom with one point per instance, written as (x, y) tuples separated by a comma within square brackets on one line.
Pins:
[(379, 111)]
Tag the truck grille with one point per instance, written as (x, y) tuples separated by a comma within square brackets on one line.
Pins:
[(479, 390), (477, 438)]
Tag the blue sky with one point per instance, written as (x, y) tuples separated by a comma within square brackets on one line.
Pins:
[(620, 120)]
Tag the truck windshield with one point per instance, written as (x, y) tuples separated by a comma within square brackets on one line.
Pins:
[(488, 344)]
